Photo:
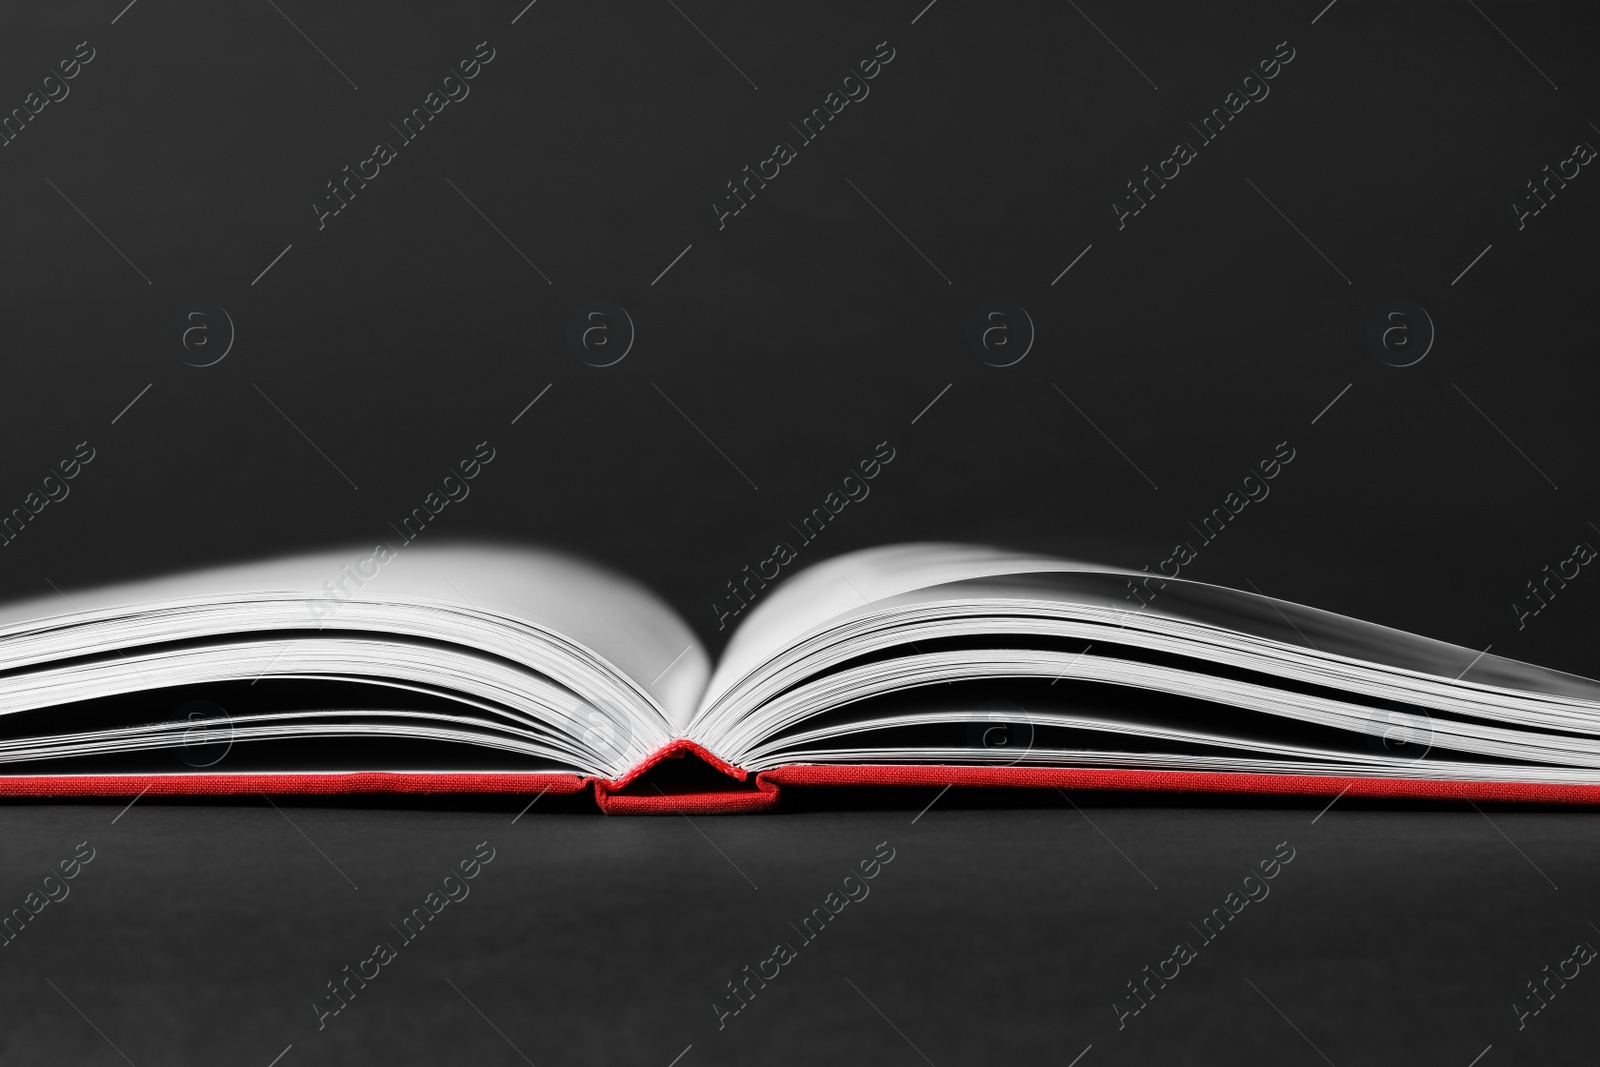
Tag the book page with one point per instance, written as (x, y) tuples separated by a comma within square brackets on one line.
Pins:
[(860, 584), (617, 620), (851, 582)]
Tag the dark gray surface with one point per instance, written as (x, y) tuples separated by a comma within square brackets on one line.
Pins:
[(202, 934)]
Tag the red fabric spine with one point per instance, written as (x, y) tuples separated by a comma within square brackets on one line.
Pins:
[(728, 802), (613, 800)]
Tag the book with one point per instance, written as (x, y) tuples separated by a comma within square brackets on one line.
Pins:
[(486, 668)]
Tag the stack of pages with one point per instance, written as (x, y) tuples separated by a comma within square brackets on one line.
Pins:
[(485, 668)]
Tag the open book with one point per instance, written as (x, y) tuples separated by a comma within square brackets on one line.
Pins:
[(484, 668)]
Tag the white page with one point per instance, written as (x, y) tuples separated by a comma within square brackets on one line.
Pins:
[(617, 620), (849, 583), (859, 585)]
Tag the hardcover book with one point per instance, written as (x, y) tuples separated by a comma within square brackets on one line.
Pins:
[(480, 668)]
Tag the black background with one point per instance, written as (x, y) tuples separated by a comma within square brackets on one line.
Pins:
[(797, 338)]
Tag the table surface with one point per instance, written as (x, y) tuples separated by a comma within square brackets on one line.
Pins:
[(1001, 929)]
